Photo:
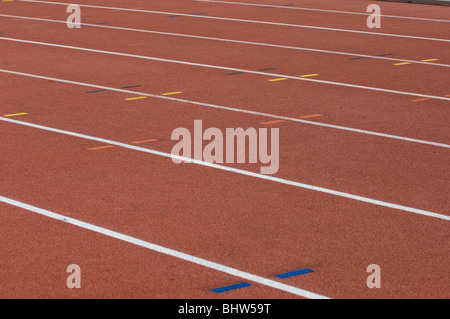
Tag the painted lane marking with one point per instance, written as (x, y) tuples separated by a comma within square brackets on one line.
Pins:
[(165, 250), (15, 114), (97, 91), (295, 273), (219, 39), (238, 171), (144, 141), (402, 63), (135, 98), (171, 93), (321, 10), (310, 116), (272, 122), (100, 148), (226, 108), (251, 21), (231, 287), (308, 75), (247, 71), (278, 79), (420, 100), (132, 86)]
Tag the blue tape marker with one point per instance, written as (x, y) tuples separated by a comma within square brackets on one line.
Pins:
[(295, 273), (287, 5), (176, 16), (102, 23), (358, 58), (1, 33), (234, 73), (384, 54), (267, 7), (196, 14), (232, 287), (96, 91)]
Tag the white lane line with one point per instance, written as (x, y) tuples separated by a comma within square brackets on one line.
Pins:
[(231, 41), (165, 250), (343, 128), (246, 21), (298, 78), (320, 10), (237, 171)]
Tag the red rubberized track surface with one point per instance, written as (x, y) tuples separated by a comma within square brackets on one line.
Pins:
[(261, 227)]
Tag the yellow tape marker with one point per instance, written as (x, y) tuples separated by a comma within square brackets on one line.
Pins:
[(308, 75), (429, 60), (135, 98), (279, 79), (272, 122), (403, 63), (100, 148), (144, 141), (7, 0), (17, 114), (172, 93)]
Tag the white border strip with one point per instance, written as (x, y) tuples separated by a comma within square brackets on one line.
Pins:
[(166, 251), (344, 128), (226, 40), (246, 21), (320, 10), (237, 171)]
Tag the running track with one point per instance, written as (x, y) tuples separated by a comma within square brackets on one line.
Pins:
[(364, 143)]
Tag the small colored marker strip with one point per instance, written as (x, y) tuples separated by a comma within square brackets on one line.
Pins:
[(135, 98), (385, 54), (232, 287), (269, 69), (100, 148), (176, 16), (172, 93), (419, 100), (358, 58), (310, 116), (16, 114), (129, 87), (429, 60), (100, 23), (235, 73), (279, 79), (402, 63), (144, 141), (308, 75), (295, 273), (96, 91), (200, 13), (272, 122)]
